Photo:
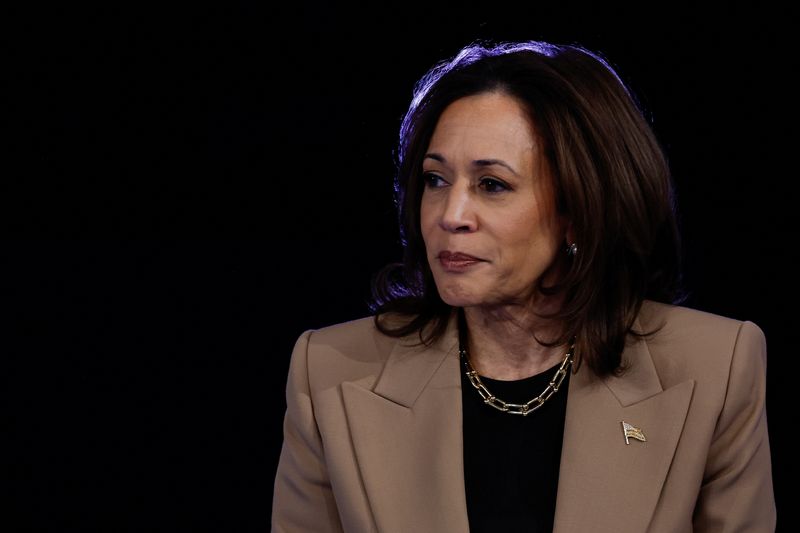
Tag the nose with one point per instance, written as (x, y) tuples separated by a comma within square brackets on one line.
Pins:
[(458, 211)]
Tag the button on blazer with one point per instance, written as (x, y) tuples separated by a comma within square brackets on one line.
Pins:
[(373, 433)]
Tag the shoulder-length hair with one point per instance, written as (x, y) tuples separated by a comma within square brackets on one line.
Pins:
[(611, 180)]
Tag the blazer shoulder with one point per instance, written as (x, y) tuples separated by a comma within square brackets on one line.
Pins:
[(348, 351), (359, 334), (688, 343), (343, 331), (657, 314)]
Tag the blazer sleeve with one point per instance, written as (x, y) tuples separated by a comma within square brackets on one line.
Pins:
[(303, 500), (737, 494)]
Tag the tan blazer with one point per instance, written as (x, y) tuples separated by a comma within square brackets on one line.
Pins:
[(373, 434)]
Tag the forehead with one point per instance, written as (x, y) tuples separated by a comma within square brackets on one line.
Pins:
[(494, 123)]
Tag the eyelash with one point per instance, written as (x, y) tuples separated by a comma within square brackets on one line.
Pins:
[(429, 178)]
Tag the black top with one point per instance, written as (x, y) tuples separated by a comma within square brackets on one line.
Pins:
[(511, 462)]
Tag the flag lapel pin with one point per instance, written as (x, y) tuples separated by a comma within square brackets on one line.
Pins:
[(632, 432)]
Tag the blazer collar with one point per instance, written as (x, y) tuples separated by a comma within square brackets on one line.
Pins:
[(407, 438), (411, 366), (606, 484)]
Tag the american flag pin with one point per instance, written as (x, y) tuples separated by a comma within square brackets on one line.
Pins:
[(631, 431)]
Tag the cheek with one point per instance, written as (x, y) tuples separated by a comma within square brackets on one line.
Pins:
[(529, 239), (522, 230), (426, 221)]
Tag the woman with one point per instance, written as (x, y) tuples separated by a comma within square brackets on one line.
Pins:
[(526, 369)]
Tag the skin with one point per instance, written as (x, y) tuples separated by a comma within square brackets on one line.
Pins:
[(504, 214)]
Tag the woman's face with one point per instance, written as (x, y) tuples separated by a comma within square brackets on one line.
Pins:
[(488, 193)]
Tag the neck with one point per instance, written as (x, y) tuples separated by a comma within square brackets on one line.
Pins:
[(502, 339)]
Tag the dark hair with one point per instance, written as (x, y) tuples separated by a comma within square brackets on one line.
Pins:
[(612, 181)]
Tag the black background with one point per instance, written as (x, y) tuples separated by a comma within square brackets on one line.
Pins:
[(188, 189)]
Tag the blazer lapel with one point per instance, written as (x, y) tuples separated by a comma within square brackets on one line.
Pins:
[(408, 442), (604, 483), (407, 437)]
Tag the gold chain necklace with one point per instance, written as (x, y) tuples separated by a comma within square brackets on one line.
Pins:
[(513, 408)]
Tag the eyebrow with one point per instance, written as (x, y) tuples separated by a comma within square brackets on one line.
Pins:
[(477, 163)]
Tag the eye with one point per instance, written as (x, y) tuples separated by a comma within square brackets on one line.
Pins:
[(432, 180), (494, 186)]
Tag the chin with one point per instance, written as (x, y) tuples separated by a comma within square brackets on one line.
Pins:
[(459, 292), (457, 302), (455, 299)]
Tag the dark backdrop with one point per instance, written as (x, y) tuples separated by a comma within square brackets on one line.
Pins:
[(188, 190)]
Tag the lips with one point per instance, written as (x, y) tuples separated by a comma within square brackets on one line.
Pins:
[(457, 256), (457, 263)]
